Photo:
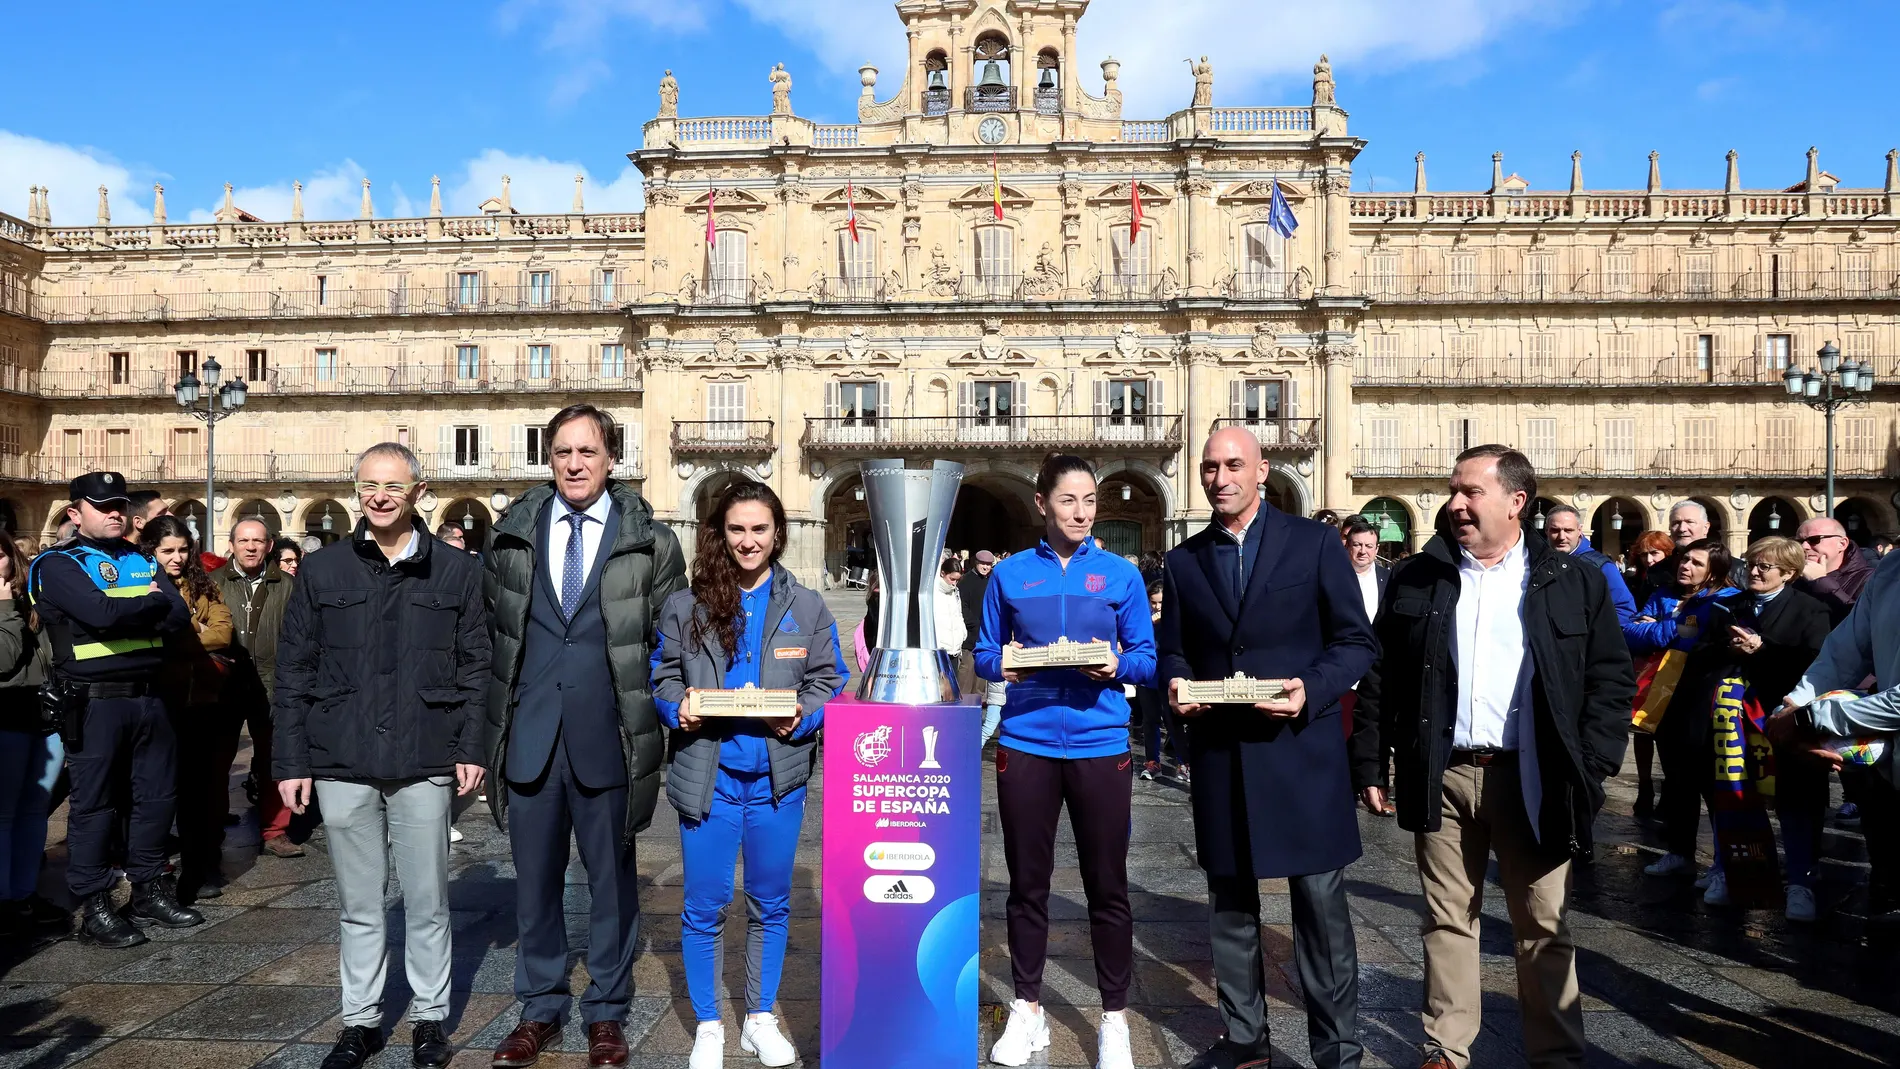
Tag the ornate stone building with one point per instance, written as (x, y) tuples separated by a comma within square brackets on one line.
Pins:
[(797, 297)]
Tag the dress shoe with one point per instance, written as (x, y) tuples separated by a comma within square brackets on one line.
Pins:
[(524, 1045), (606, 1044), (355, 1045), (156, 902), (281, 846), (429, 1046), (1226, 1054), (101, 925)]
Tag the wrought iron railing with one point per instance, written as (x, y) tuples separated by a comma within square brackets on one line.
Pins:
[(990, 98), (1279, 432), (473, 299), (990, 288), (1672, 285), (722, 436), (857, 290), (844, 434), (1593, 370), (1737, 463)]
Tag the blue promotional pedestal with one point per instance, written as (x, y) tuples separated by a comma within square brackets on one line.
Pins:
[(902, 885)]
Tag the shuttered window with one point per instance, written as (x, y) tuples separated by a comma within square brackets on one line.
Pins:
[(1540, 443), (728, 281), (540, 361), (1382, 356), (1539, 353), (1619, 445), (613, 361), (1619, 352)]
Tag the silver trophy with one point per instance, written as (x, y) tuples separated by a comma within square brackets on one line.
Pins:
[(910, 518)]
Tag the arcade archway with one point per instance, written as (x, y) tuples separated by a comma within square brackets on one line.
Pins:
[(471, 516), (1774, 516), (1615, 524)]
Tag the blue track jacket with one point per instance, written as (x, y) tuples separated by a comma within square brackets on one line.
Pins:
[(1033, 600)]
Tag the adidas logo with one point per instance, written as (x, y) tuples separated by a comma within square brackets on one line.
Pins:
[(900, 890)]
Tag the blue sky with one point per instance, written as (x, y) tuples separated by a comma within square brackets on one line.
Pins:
[(195, 96)]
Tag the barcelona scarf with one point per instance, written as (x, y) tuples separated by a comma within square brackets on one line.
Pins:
[(1738, 800)]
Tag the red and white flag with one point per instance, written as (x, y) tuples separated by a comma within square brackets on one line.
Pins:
[(710, 194), (851, 211), (1134, 218)]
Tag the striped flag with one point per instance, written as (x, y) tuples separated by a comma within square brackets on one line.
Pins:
[(1134, 218), (996, 187), (709, 214), (851, 212)]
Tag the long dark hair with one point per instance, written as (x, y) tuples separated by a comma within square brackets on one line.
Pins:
[(195, 583), (715, 576), (1720, 565)]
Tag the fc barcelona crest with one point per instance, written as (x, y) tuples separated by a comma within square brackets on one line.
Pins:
[(1095, 584)]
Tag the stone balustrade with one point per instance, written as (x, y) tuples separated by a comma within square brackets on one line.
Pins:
[(351, 232), (1696, 205)]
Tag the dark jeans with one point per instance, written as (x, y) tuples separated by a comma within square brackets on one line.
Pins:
[(1030, 794), (1155, 715), (1688, 762), (1879, 803), (207, 744)]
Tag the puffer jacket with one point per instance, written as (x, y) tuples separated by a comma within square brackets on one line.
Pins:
[(1678, 623), (644, 568), (23, 662), (381, 667), (801, 653)]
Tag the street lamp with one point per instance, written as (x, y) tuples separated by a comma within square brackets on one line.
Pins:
[(1817, 390), (220, 403)]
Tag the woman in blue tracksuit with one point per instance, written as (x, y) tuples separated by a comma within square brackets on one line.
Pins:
[(1682, 738), (1064, 739), (739, 784)]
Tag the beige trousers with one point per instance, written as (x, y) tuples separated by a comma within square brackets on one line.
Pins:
[(1483, 812)]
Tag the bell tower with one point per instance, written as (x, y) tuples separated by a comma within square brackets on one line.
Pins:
[(1013, 60)]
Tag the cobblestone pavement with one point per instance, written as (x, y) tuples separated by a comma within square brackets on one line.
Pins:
[(1666, 980)]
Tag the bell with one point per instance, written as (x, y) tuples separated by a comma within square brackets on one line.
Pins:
[(937, 79), (992, 75), (1048, 79)]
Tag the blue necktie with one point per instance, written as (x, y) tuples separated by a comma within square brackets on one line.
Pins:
[(573, 573)]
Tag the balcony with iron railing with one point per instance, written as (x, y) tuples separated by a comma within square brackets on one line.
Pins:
[(309, 380), (380, 232), (1595, 286), (722, 437), (1593, 371), (1278, 434), (490, 299), (724, 291), (1035, 434), (1266, 286), (1651, 465), (990, 98), (990, 288), (853, 290), (1129, 287), (1702, 205), (267, 468)]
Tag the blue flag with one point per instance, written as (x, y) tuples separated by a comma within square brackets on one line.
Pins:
[(1279, 216)]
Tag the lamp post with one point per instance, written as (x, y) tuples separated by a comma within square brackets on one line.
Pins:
[(1817, 390), (220, 403)]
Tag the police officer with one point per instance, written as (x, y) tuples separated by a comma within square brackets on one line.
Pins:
[(106, 609)]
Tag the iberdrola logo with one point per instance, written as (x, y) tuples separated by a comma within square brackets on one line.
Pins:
[(872, 747)]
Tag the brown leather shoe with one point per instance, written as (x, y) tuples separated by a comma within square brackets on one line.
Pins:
[(606, 1044), (524, 1045), (281, 846)]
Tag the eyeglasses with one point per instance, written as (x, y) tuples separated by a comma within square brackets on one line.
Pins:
[(1764, 566), (392, 489), (1815, 540)]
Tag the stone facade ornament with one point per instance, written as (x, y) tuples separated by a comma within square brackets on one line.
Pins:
[(1045, 278), (1203, 83), (1323, 83), (1264, 343), (943, 277), (991, 345), (857, 344), (669, 96), (727, 346), (781, 90), (1128, 342)]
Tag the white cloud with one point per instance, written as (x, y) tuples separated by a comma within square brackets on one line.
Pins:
[(538, 185), (73, 174), (574, 31), (334, 193)]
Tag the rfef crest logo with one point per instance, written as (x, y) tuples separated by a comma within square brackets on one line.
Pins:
[(1095, 584), (872, 747)]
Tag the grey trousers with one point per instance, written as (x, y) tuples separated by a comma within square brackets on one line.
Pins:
[(1323, 952), (366, 823)]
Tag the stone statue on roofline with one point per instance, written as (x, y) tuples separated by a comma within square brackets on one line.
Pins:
[(781, 90), (669, 96), (1323, 83), (1203, 82)]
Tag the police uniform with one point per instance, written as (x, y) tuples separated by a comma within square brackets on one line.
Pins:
[(106, 623)]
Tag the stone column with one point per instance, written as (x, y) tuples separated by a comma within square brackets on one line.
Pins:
[(1197, 417), (1334, 186), (1335, 358), (1193, 188)]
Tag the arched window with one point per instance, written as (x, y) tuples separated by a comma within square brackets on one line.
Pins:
[(1048, 82), (856, 265), (995, 261), (991, 88), (936, 83), (1262, 262), (1130, 264), (727, 281)]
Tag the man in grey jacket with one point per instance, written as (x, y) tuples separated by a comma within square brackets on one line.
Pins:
[(1865, 644), (575, 570)]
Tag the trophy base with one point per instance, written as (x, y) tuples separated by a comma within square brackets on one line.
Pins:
[(909, 677)]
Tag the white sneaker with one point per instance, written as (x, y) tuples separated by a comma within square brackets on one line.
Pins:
[(1112, 1047), (1026, 1033), (1717, 894), (1669, 865), (760, 1035), (1801, 904), (709, 1046), (455, 834)]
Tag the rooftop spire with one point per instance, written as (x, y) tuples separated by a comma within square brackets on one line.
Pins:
[(1576, 171), (1733, 182), (435, 194), (579, 205), (158, 205), (368, 212), (105, 209), (1655, 172), (296, 202), (1497, 171), (1418, 173), (228, 213), (507, 204)]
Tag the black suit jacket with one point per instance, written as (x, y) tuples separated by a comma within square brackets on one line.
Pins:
[(1271, 797)]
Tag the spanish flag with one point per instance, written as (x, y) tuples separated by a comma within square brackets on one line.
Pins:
[(1134, 218), (851, 212), (996, 187)]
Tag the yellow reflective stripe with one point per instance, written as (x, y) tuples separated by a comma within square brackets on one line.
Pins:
[(90, 651), (127, 591)]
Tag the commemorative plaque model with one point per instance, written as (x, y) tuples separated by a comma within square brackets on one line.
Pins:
[(1062, 653), (1234, 690), (745, 701)]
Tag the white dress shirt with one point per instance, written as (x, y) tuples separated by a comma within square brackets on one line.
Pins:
[(1493, 660), (592, 529), (1369, 590)]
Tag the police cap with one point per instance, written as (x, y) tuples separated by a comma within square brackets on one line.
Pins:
[(100, 488)]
